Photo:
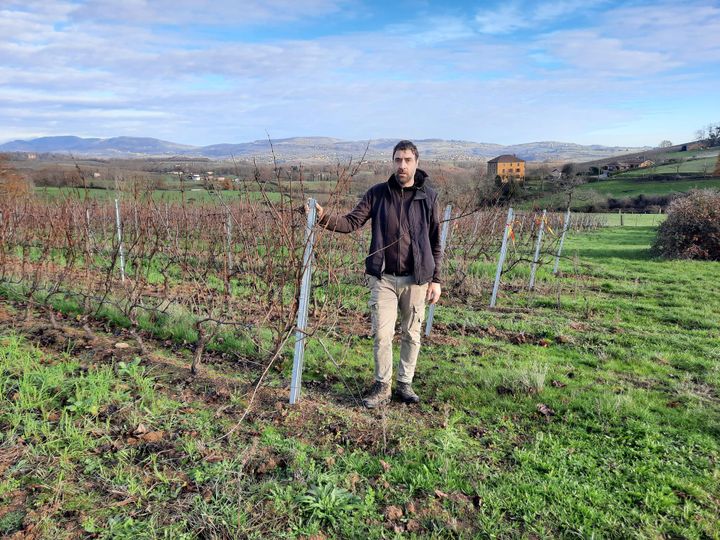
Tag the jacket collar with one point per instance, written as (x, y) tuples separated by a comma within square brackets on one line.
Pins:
[(418, 185)]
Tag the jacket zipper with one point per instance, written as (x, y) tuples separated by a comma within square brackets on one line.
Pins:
[(400, 225)]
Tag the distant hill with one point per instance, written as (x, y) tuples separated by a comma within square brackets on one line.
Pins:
[(115, 146), (316, 149)]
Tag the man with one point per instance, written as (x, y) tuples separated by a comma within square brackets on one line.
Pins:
[(403, 265)]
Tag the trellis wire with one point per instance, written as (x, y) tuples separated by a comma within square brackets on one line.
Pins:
[(195, 240)]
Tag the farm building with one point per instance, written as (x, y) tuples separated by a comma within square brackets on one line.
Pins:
[(632, 163), (698, 145), (506, 167)]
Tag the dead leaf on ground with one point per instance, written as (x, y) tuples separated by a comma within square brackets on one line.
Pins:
[(9, 456), (393, 513), (385, 465), (546, 411), (213, 457), (153, 436), (353, 479), (123, 503), (441, 494), (461, 499), (122, 345), (413, 526), (558, 384), (270, 464)]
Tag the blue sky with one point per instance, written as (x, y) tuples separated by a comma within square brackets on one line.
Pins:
[(591, 72)]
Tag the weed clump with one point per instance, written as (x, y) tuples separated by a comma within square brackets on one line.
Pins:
[(692, 227)]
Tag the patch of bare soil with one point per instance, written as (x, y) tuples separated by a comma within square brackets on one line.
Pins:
[(318, 422), (516, 338)]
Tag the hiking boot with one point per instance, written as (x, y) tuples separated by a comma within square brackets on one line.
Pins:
[(405, 393), (378, 395)]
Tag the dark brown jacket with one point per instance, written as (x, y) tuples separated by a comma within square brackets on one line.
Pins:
[(382, 204)]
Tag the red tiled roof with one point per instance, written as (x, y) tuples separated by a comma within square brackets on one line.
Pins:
[(506, 158)]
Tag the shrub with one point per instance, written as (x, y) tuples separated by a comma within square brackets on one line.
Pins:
[(692, 227), (12, 184)]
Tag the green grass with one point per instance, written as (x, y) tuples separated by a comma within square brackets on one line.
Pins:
[(597, 193), (612, 219), (590, 408), (702, 163), (192, 195), (622, 187)]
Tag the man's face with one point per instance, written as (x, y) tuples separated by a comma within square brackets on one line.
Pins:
[(405, 166)]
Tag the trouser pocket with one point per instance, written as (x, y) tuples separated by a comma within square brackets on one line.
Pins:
[(373, 317)]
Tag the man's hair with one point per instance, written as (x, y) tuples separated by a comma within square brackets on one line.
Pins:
[(406, 145)]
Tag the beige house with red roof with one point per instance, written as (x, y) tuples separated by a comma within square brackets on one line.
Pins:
[(507, 167)]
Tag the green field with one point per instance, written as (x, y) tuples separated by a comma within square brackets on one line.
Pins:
[(598, 192), (612, 219), (587, 409), (701, 162), (619, 188), (199, 195)]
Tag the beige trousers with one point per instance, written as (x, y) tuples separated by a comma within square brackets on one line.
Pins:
[(386, 295)]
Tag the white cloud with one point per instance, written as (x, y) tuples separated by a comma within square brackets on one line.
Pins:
[(505, 19), (651, 40), (222, 13), (509, 17), (592, 53), (688, 32), (79, 68)]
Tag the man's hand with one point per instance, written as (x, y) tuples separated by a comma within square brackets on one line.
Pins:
[(319, 210), (433, 293)]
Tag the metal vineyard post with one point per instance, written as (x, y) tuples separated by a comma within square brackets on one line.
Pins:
[(120, 242), (303, 302), (562, 241), (536, 257), (501, 259), (443, 241)]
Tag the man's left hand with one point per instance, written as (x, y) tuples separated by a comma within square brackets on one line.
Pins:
[(433, 293)]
